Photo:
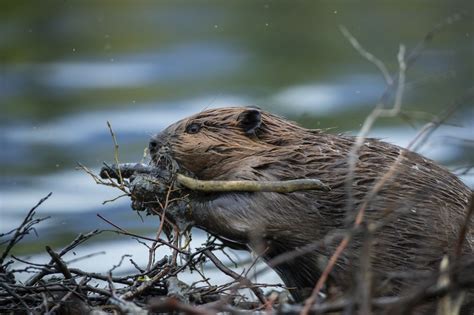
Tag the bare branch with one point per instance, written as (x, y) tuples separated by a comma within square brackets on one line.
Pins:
[(24, 228), (367, 55)]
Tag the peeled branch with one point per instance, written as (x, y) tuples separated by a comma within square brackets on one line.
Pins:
[(127, 170)]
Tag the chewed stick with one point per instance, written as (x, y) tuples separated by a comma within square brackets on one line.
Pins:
[(285, 186)]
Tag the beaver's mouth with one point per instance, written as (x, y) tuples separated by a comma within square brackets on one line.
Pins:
[(163, 159)]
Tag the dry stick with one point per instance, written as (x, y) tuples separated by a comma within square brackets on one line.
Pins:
[(69, 294), (430, 127), (116, 148), (85, 257), (367, 125), (99, 276), (433, 291), (245, 275), (110, 183), (60, 264), (204, 279), (16, 296), (172, 305), (353, 156), (242, 279), (343, 244), (97, 290), (419, 48), (125, 232), (44, 287), (20, 231), (367, 55), (104, 175), (364, 283), (190, 259), (31, 263), (77, 241), (131, 294), (174, 257), (370, 120), (219, 304), (412, 57), (109, 274), (153, 247), (329, 238), (405, 304), (352, 161), (420, 139)]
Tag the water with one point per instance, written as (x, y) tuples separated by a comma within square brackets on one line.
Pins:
[(68, 68)]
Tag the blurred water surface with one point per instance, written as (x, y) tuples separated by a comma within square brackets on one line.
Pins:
[(67, 67)]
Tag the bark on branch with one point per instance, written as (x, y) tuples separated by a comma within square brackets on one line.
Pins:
[(127, 170)]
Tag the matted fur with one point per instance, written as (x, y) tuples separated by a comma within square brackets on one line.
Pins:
[(425, 203)]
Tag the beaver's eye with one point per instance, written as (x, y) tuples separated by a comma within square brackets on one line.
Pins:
[(193, 128)]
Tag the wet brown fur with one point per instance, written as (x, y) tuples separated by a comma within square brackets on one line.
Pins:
[(426, 202)]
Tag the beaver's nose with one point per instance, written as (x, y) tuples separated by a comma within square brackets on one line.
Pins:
[(155, 144)]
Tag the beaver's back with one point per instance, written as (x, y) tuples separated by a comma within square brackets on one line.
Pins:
[(420, 209)]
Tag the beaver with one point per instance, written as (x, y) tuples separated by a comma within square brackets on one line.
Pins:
[(422, 205)]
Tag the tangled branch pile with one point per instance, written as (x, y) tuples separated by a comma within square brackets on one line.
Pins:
[(56, 288)]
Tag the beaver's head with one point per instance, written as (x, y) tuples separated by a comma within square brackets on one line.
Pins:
[(214, 143)]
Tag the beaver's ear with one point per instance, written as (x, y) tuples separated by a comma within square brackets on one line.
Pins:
[(250, 120)]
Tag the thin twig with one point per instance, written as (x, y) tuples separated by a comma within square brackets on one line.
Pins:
[(116, 154), (81, 238), (23, 229), (367, 55), (242, 279), (153, 247), (16, 296), (122, 231), (135, 292), (60, 265), (353, 156)]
